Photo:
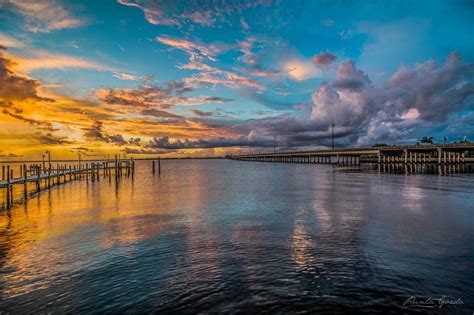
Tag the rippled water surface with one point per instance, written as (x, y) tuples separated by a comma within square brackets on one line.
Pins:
[(229, 236)]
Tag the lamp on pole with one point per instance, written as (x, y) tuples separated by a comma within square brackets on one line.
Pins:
[(44, 166), (49, 158), (445, 139), (79, 156), (332, 133)]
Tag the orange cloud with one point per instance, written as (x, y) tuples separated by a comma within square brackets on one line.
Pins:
[(46, 60)]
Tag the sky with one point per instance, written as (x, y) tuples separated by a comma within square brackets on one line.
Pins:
[(146, 78)]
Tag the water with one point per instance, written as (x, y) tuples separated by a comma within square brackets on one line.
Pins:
[(229, 236)]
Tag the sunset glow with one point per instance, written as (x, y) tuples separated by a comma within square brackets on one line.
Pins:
[(176, 79)]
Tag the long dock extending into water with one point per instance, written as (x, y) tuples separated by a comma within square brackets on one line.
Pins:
[(441, 159), (44, 175)]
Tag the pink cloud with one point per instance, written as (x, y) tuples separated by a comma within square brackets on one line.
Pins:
[(323, 60)]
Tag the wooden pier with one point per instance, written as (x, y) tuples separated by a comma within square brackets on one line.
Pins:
[(44, 176), (438, 159)]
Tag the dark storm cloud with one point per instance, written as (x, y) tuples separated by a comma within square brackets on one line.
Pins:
[(427, 95), (165, 143)]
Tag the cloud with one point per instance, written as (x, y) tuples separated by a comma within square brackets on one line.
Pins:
[(8, 155), (423, 97), (46, 60), (128, 77), (158, 113), (221, 77), (190, 13), (244, 24), (192, 48), (50, 139), (43, 15), (328, 22), (259, 71), (323, 60), (18, 116), (95, 132), (165, 143), (201, 113), (211, 75), (172, 93), (145, 151), (246, 48), (10, 42), (16, 87)]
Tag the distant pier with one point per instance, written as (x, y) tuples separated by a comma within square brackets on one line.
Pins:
[(438, 159)]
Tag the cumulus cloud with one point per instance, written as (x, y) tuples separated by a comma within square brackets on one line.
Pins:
[(323, 60), (43, 15), (427, 95)]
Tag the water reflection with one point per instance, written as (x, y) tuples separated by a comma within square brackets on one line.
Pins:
[(238, 236)]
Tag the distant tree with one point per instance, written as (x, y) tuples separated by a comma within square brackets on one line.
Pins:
[(380, 145), (427, 140)]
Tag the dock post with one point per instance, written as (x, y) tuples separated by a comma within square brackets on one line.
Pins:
[(116, 166), (93, 172), (38, 178), (153, 167), (159, 166), (3, 172), (25, 183), (8, 187)]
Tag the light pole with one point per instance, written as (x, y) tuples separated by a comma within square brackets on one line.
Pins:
[(44, 166), (79, 155), (332, 128), (49, 159), (445, 139), (274, 143)]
